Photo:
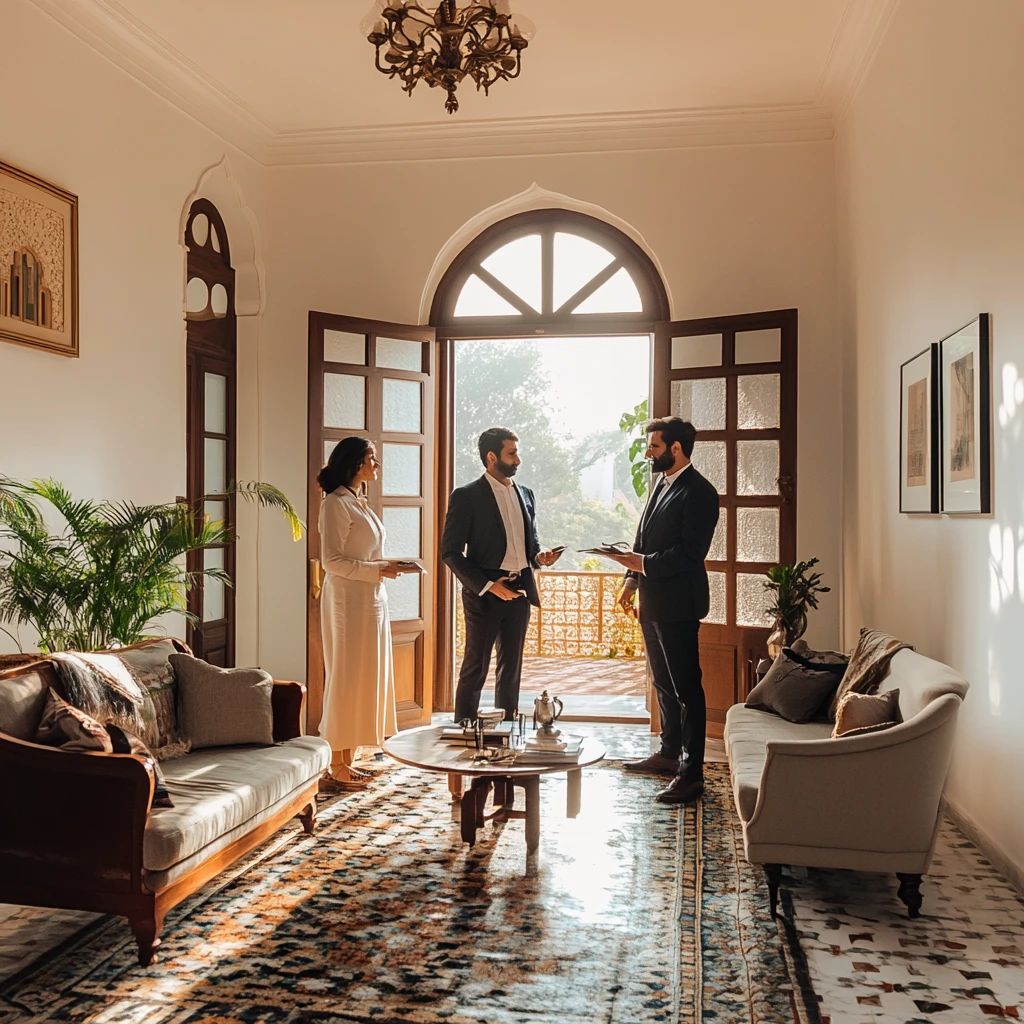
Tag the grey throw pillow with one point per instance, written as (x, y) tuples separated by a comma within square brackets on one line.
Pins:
[(223, 707), (798, 685)]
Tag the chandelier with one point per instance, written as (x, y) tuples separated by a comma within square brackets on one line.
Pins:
[(482, 40)]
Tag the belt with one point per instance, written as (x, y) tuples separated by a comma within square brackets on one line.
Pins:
[(510, 577)]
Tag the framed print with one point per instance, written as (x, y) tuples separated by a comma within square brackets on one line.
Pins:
[(919, 432), (965, 372), (38, 263)]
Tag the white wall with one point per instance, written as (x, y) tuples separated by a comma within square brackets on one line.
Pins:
[(736, 230), (111, 424), (931, 228)]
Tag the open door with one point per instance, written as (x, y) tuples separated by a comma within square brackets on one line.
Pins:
[(735, 379), (377, 380)]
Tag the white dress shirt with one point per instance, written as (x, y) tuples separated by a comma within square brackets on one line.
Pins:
[(507, 497)]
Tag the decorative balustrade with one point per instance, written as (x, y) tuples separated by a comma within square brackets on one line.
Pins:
[(577, 619)]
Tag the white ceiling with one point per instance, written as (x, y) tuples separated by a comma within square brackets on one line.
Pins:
[(299, 69)]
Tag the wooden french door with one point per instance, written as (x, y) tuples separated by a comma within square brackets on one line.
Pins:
[(735, 379), (377, 380)]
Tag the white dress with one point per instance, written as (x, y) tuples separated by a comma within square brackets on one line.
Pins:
[(359, 691)]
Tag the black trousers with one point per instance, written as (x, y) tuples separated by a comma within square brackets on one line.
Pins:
[(674, 656), (489, 622)]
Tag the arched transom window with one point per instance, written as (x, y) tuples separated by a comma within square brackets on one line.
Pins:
[(551, 267)]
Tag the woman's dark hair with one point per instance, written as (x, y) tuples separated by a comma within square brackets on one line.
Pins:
[(672, 429), (344, 463)]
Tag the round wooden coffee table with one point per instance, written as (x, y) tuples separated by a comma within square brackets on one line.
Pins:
[(423, 748)]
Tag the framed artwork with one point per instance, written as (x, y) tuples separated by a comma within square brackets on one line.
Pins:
[(965, 372), (919, 432), (38, 263)]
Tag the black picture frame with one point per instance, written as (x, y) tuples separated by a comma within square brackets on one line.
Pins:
[(919, 433), (965, 406)]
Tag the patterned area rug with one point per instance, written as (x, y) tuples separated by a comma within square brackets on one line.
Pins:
[(634, 913)]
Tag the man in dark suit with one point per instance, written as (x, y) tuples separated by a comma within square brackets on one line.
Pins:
[(667, 568), (490, 543)]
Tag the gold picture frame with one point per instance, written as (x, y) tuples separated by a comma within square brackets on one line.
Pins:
[(38, 263)]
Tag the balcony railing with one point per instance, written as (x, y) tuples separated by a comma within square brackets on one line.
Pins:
[(577, 619)]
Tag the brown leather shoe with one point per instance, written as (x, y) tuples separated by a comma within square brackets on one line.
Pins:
[(681, 790), (656, 764)]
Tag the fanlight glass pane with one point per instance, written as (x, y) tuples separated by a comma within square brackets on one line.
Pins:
[(219, 300), (342, 347), (215, 511), (757, 400), (403, 532), (213, 589), (759, 346), (393, 354), (215, 408), (197, 295), (757, 535), (400, 470), (617, 295), (718, 550), (717, 611), (517, 266), (214, 238), (751, 600), (344, 401), (200, 228), (709, 458), (215, 466), (702, 402), (479, 299), (403, 406), (698, 350), (576, 261), (403, 596), (757, 467)]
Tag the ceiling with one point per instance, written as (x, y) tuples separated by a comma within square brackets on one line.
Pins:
[(281, 71)]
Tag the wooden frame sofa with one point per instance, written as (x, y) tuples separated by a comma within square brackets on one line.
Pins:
[(77, 830)]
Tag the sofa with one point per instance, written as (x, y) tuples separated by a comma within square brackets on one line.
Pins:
[(867, 802), (79, 831)]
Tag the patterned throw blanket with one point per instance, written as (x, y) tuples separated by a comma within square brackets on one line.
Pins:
[(869, 665), (102, 687)]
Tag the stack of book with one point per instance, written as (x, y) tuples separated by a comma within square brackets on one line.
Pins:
[(495, 734), (545, 750)]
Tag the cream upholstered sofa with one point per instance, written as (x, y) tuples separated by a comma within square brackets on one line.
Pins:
[(869, 802)]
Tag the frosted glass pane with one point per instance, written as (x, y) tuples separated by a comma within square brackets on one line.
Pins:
[(400, 470), (403, 406), (759, 346), (517, 266), (215, 409), (757, 399), (757, 535), (717, 612), (328, 448), (718, 551), (200, 228), (757, 467), (215, 466), (700, 350), (479, 299), (393, 354), (215, 511), (219, 300), (342, 347), (577, 261), (344, 401), (751, 600), (197, 295), (709, 458), (617, 295), (213, 590), (404, 596), (403, 532), (702, 402)]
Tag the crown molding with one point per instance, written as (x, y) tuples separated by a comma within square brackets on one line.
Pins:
[(124, 40), (535, 136), (861, 32)]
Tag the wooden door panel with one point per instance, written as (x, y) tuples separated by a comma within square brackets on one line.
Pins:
[(718, 666)]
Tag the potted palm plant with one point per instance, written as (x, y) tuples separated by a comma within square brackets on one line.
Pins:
[(111, 570), (794, 589)]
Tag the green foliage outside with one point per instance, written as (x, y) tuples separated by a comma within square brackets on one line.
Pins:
[(633, 423)]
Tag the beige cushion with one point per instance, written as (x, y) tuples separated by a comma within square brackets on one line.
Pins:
[(223, 707), (860, 713), (216, 791), (869, 665), (22, 699)]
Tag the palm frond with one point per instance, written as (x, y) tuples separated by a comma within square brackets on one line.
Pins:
[(268, 495)]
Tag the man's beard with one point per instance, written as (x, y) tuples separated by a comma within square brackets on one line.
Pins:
[(661, 463), (506, 469)]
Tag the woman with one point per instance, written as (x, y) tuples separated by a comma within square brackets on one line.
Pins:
[(359, 692)]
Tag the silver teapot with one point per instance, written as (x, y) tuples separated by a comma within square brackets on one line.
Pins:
[(546, 711)]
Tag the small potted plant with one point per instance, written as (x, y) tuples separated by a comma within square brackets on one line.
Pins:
[(794, 589)]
